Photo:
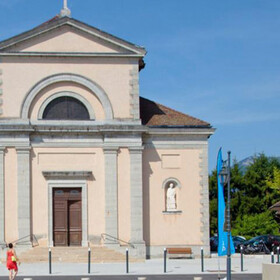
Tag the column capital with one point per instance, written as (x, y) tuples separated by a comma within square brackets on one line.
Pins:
[(110, 150), (136, 150), (23, 149)]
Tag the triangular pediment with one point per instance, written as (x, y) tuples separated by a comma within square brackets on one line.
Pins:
[(67, 35)]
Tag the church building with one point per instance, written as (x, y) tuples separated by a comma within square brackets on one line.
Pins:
[(84, 159)]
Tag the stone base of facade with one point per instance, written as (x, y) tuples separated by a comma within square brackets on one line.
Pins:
[(138, 251), (158, 251)]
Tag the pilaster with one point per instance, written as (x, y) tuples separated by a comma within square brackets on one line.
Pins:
[(136, 201), (134, 92), (2, 197), (24, 200), (1, 93), (204, 199), (111, 195)]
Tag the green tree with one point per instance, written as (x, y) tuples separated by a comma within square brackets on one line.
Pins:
[(213, 197), (253, 225), (253, 191), (273, 182), (259, 196)]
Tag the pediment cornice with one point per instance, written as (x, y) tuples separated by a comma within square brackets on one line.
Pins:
[(127, 48)]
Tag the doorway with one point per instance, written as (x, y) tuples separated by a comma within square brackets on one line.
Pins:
[(67, 216)]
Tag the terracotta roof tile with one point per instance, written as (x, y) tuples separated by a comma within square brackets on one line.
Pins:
[(154, 114)]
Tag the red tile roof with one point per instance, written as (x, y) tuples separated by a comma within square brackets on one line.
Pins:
[(154, 114)]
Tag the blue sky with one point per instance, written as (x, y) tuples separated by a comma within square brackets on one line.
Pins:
[(216, 60)]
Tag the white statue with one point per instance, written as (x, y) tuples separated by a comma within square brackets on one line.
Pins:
[(171, 198)]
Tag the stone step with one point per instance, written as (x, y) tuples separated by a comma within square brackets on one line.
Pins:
[(72, 254)]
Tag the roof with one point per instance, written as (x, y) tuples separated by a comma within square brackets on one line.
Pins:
[(157, 115), (57, 22)]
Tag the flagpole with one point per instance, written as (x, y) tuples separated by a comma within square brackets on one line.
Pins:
[(228, 222)]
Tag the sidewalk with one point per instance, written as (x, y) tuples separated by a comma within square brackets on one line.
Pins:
[(252, 264)]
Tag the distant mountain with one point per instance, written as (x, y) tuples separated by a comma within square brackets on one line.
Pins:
[(244, 163)]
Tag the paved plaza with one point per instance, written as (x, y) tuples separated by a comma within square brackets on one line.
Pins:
[(148, 277), (153, 267)]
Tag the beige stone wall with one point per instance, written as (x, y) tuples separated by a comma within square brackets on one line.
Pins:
[(71, 159), (165, 228), (115, 79), (19, 75)]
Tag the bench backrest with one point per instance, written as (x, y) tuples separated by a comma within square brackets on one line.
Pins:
[(179, 250)]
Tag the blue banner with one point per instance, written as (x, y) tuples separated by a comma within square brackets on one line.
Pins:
[(222, 234)]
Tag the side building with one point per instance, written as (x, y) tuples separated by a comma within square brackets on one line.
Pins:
[(82, 155)]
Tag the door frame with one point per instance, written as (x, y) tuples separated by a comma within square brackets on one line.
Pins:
[(63, 183)]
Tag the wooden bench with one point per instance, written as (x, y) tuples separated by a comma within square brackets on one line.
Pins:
[(180, 252)]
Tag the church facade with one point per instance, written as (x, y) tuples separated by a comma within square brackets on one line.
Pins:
[(83, 158)]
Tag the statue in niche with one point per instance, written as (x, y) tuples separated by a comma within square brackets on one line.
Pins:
[(171, 198)]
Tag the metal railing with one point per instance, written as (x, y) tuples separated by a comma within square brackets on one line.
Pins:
[(26, 240), (106, 236)]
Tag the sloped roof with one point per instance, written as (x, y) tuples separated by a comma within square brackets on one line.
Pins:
[(57, 22), (154, 114)]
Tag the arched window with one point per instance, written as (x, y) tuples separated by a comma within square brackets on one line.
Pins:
[(66, 108)]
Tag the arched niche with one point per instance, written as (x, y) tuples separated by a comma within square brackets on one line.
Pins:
[(171, 186), (67, 77)]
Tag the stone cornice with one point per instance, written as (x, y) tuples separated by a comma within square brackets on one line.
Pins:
[(66, 174), (78, 25), (24, 126), (181, 131), (109, 127), (68, 54)]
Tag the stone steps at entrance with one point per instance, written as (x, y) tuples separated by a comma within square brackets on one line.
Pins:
[(73, 255)]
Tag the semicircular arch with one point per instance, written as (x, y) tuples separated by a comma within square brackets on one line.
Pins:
[(66, 94), (171, 180), (67, 77)]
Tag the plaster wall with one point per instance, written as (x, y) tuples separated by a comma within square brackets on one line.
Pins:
[(177, 228), (65, 39), (68, 159), (10, 179), (20, 74), (124, 194)]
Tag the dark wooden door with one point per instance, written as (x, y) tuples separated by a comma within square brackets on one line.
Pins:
[(60, 223), (75, 232), (67, 217)]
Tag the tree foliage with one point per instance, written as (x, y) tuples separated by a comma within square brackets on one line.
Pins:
[(252, 193), (253, 225)]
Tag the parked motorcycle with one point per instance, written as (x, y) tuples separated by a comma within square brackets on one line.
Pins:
[(256, 248)]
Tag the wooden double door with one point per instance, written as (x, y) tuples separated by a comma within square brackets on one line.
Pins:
[(67, 216)]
